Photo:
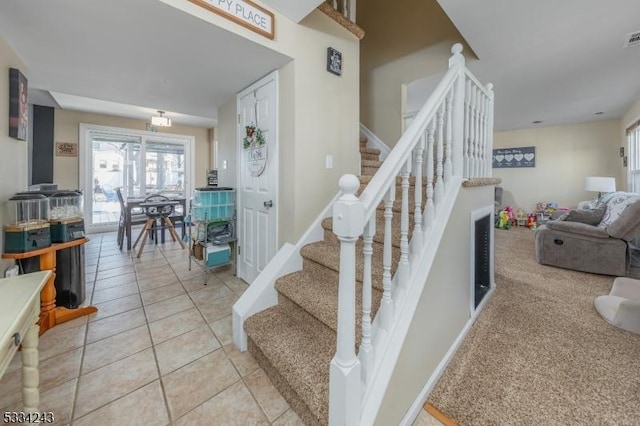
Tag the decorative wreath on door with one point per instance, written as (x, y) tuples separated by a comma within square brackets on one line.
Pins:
[(255, 150), (253, 138)]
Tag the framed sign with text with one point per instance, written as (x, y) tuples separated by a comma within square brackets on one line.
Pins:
[(505, 158), (242, 12), (334, 61), (66, 149)]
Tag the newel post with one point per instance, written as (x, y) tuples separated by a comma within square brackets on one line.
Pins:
[(457, 114), (344, 373)]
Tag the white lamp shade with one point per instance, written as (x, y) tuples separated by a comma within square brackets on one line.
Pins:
[(600, 184)]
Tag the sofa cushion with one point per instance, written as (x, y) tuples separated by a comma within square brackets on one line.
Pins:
[(626, 227), (589, 216), (616, 204)]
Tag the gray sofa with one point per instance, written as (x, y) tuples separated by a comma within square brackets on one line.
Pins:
[(599, 249)]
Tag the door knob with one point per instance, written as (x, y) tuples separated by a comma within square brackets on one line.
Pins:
[(268, 203)]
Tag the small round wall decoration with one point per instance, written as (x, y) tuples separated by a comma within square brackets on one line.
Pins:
[(255, 148)]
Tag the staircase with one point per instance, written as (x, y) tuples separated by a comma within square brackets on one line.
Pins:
[(328, 316), (295, 340)]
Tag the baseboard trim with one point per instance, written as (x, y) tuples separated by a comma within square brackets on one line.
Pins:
[(439, 415)]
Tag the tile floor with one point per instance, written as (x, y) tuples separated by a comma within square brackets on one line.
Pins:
[(158, 351)]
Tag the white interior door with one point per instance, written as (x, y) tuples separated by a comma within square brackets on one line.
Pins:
[(257, 189)]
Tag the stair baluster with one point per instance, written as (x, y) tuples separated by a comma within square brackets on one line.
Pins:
[(366, 354), (476, 132), (439, 188), (448, 166), (467, 130), (430, 208), (403, 265), (488, 165), (416, 240), (481, 134), (386, 305)]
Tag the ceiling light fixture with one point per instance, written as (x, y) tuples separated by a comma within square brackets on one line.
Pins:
[(160, 120)]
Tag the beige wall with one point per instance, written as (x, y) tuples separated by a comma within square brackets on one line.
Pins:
[(318, 116), (402, 44), (13, 161), (442, 312), (565, 155), (629, 118), (66, 129)]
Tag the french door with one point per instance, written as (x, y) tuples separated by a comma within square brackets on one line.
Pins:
[(137, 163)]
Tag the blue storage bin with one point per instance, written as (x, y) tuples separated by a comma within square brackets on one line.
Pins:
[(208, 197), (213, 212), (216, 255)]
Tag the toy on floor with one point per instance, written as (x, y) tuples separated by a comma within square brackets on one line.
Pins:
[(521, 218), (503, 221)]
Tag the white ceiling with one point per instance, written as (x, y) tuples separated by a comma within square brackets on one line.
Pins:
[(550, 60), (555, 61), (131, 58)]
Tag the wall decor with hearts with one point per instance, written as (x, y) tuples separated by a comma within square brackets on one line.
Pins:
[(504, 158)]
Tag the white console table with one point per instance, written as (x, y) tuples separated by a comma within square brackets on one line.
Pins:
[(19, 313)]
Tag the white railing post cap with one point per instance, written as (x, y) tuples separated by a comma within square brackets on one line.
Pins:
[(348, 211), (456, 49), (349, 184)]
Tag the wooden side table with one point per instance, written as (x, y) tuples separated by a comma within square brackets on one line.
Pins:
[(19, 312), (50, 314)]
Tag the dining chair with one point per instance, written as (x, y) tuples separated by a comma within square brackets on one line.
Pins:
[(154, 214), (178, 214), (136, 219)]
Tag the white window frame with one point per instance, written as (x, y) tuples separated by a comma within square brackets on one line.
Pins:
[(85, 163), (633, 157)]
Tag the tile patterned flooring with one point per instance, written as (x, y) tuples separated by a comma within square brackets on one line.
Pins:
[(159, 350)]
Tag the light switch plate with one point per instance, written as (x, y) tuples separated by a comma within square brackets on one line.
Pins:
[(329, 162)]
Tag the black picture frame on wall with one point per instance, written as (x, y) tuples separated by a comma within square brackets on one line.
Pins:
[(18, 105), (334, 61)]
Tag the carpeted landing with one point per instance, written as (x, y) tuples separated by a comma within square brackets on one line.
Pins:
[(539, 353)]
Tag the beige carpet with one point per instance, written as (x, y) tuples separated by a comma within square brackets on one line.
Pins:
[(539, 353)]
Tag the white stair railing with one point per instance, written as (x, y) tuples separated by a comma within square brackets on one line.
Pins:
[(450, 139)]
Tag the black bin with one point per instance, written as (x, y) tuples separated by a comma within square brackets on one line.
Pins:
[(70, 278)]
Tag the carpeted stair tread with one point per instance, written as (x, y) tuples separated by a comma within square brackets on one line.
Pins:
[(300, 349), (328, 255), (372, 151), (370, 163), (318, 295)]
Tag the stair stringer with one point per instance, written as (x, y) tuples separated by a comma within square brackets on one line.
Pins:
[(261, 294), (388, 345)]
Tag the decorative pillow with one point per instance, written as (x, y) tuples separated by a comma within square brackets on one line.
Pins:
[(617, 203), (590, 217)]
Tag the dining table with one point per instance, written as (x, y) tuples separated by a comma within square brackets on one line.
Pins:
[(132, 203)]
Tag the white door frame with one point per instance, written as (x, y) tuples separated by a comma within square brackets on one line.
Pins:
[(273, 159), (85, 162)]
